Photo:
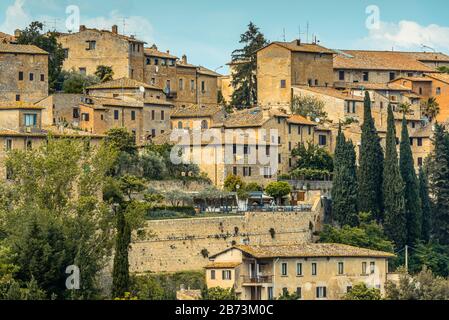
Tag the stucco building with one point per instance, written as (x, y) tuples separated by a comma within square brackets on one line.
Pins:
[(312, 271), (24, 73)]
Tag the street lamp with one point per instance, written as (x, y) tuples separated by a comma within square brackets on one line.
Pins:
[(237, 187)]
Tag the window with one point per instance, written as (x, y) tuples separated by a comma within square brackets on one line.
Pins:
[(314, 269), (31, 76), (279, 158), (420, 91), (20, 75), (298, 292), (180, 125), (438, 91), (365, 76), (270, 293), (245, 149), (156, 61), (267, 172), (340, 268), (167, 86), (372, 267), (226, 275), (17, 97), (289, 146), (153, 81), (28, 144), (310, 130), (420, 162), (419, 142), (91, 45), (353, 106), (322, 140), (309, 82), (42, 77), (204, 124), (234, 171), (234, 148), (283, 84), (8, 144), (411, 141), (148, 61), (153, 133), (364, 268), (299, 269), (82, 71), (413, 125), (164, 62), (66, 53), (316, 82), (116, 115), (181, 84), (162, 115), (392, 76), (84, 117), (212, 274), (341, 75), (299, 130), (203, 86), (192, 85), (30, 120), (133, 115), (321, 292), (153, 114), (267, 150), (247, 171), (284, 269)]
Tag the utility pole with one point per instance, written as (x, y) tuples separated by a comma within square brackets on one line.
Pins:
[(406, 258)]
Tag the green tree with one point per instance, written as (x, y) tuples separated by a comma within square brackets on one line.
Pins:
[(232, 181), (127, 161), (444, 69), (278, 190), (433, 256), (344, 190), (309, 107), (439, 184), (104, 73), (288, 296), (362, 292), (413, 211), (370, 172), (76, 82), (368, 235), (244, 79), (219, 293), (34, 35), (426, 221), (393, 187), (431, 108), (312, 157)]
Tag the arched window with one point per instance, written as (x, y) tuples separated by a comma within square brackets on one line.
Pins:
[(204, 124), (180, 125)]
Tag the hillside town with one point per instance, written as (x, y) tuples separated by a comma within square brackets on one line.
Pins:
[(305, 173)]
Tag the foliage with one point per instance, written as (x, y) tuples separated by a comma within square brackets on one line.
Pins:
[(362, 292), (423, 286), (430, 108), (405, 108), (393, 187), (278, 189), (232, 181), (368, 235), (307, 174), (104, 73), (344, 190), (54, 218), (288, 296), (426, 221), (164, 286), (413, 212), (76, 82), (219, 293), (34, 35), (177, 198), (312, 157), (370, 173), (444, 69), (431, 255), (309, 107), (244, 80), (439, 184)]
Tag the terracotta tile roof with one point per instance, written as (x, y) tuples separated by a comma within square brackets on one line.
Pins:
[(196, 111), (310, 250), (114, 102), (21, 48), (122, 83), (19, 105), (54, 131), (378, 60), (443, 77), (392, 86), (150, 100), (332, 92), (121, 36), (6, 38), (156, 53), (244, 119), (303, 47), (429, 56), (298, 119), (222, 265), (416, 79), (208, 72)]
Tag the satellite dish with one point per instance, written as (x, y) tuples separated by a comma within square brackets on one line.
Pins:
[(142, 89), (317, 120)]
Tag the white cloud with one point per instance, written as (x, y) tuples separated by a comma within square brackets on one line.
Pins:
[(15, 17), (406, 35)]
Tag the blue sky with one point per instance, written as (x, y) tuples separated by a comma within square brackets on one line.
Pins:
[(208, 30)]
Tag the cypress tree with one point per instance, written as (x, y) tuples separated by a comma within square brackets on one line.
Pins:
[(425, 206), (393, 187), (370, 167), (412, 199), (120, 271), (439, 184), (344, 190)]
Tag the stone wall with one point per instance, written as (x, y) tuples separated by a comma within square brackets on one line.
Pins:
[(182, 244)]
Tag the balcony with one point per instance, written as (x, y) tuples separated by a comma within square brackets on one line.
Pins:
[(247, 280)]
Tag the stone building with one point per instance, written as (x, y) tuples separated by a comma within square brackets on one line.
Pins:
[(362, 66), (160, 70), (24, 73), (313, 271), (89, 48), (282, 65)]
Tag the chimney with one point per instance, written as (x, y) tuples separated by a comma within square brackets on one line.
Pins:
[(298, 42), (17, 33), (184, 59), (82, 27), (168, 51), (114, 29)]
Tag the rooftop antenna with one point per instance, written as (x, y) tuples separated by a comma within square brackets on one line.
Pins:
[(124, 23), (299, 32), (284, 35), (427, 47), (307, 32)]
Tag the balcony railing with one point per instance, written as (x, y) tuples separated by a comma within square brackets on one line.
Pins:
[(259, 279)]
